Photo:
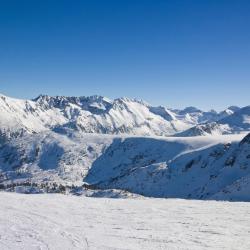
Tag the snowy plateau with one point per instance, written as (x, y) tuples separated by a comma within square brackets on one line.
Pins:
[(94, 147)]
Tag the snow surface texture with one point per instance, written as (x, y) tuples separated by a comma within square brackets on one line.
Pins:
[(67, 222)]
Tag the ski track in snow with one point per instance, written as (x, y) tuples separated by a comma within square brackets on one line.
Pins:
[(55, 221)]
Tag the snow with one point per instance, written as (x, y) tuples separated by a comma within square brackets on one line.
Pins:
[(97, 114), (46, 141), (66, 222), (96, 147), (239, 120), (205, 129), (50, 156), (179, 167), (94, 114), (195, 167), (231, 121)]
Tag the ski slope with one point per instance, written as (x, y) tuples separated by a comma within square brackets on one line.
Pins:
[(67, 222)]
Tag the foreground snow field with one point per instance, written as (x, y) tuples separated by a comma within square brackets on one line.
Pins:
[(56, 221)]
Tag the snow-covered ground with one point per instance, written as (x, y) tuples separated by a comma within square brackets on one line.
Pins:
[(67, 222), (96, 147)]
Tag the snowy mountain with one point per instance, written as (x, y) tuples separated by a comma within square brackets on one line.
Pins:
[(94, 142), (177, 169), (192, 167), (229, 111), (93, 114), (96, 114), (196, 116), (211, 128), (239, 120), (232, 120)]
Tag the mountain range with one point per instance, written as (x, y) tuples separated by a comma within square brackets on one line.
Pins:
[(97, 114), (94, 143)]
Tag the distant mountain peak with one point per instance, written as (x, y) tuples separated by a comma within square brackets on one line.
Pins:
[(234, 108), (246, 139), (191, 109)]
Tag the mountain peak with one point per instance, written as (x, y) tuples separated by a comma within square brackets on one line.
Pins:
[(246, 139), (190, 109), (233, 108)]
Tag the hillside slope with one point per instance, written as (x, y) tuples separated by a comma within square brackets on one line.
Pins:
[(197, 173), (192, 167)]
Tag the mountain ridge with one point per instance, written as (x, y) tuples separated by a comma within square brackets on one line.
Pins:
[(98, 114)]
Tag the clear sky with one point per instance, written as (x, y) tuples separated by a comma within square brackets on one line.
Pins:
[(176, 53)]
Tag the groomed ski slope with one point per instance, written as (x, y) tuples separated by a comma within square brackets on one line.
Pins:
[(68, 222)]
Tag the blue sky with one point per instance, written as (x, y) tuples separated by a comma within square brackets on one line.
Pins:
[(175, 53)]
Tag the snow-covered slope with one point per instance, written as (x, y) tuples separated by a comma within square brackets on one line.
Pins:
[(49, 156), (192, 172), (229, 111), (191, 167), (211, 128), (97, 114), (94, 140), (93, 114), (194, 116), (239, 120), (23, 116), (230, 121), (64, 222)]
